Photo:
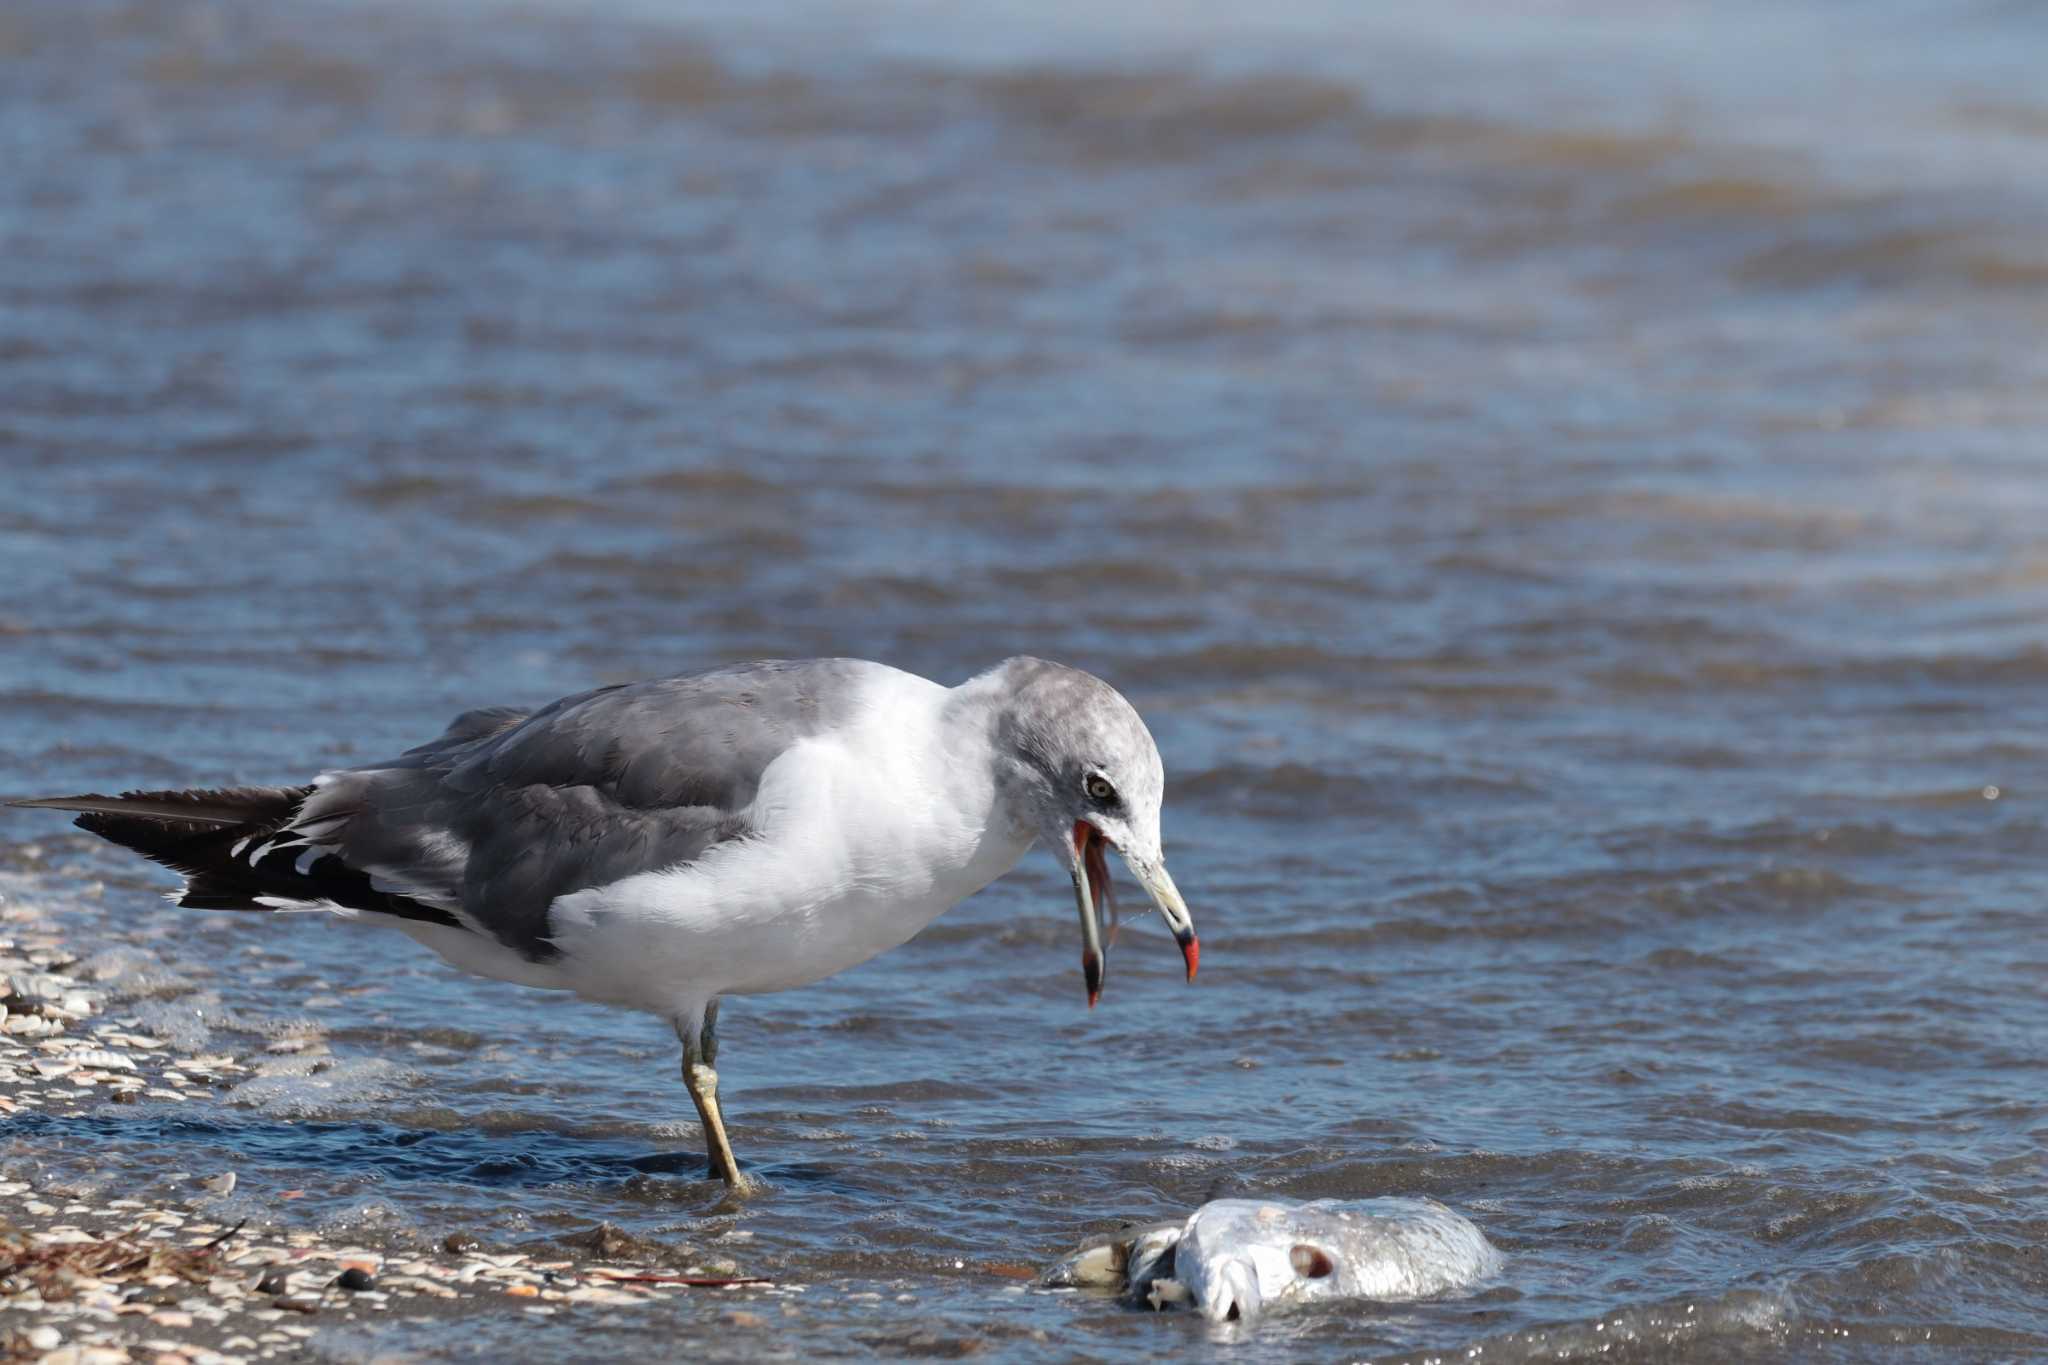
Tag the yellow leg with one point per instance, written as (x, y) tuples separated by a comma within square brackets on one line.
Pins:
[(700, 1050)]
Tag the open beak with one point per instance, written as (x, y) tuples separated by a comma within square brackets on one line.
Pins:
[(1091, 890), (1091, 886)]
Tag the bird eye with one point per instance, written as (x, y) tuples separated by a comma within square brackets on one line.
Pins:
[(1099, 788), (1311, 1263)]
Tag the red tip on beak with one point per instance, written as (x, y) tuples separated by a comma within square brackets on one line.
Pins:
[(1091, 972), (1192, 951)]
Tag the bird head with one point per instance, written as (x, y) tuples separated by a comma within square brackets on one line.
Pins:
[(1086, 778)]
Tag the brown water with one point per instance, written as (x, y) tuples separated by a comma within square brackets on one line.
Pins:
[(1567, 493)]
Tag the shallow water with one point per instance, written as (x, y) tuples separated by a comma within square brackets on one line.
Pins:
[(1566, 496)]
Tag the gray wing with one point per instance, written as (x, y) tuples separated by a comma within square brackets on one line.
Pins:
[(506, 812)]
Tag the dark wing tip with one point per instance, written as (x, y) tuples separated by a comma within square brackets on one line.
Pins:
[(230, 806)]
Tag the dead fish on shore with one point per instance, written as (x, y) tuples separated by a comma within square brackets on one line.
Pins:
[(1235, 1258)]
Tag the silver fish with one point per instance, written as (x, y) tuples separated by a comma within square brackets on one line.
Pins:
[(1123, 1260), (1236, 1258)]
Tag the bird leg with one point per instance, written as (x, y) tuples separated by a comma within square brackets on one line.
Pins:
[(700, 1050)]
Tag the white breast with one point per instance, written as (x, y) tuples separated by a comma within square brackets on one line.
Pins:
[(862, 838)]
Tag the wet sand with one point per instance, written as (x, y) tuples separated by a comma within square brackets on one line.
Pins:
[(88, 1279)]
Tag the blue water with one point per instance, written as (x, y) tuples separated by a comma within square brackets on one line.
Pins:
[(1564, 491)]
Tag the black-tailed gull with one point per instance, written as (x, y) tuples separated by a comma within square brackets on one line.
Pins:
[(659, 845)]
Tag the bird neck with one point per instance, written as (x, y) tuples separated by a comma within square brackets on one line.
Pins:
[(972, 723)]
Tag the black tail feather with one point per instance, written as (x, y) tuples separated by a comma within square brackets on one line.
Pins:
[(234, 848), (230, 806)]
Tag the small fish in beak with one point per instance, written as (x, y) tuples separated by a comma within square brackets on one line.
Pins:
[(1091, 887), (1089, 865)]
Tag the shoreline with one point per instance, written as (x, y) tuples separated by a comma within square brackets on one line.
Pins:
[(88, 1279)]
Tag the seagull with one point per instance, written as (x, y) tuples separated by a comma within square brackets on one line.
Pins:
[(661, 845)]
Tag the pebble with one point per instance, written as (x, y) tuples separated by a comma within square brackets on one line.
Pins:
[(593, 1294), (36, 988), (141, 1040), (251, 1284)]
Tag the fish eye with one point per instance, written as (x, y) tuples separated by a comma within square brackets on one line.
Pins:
[(1311, 1263), (1099, 789)]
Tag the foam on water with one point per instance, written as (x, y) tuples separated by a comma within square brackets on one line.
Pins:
[(320, 1088)]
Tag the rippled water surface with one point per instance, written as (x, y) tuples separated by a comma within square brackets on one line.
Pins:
[(1567, 495)]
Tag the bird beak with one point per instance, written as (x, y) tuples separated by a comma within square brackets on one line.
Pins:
[(1090, 870), (1165, 895), (1091, 885)]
